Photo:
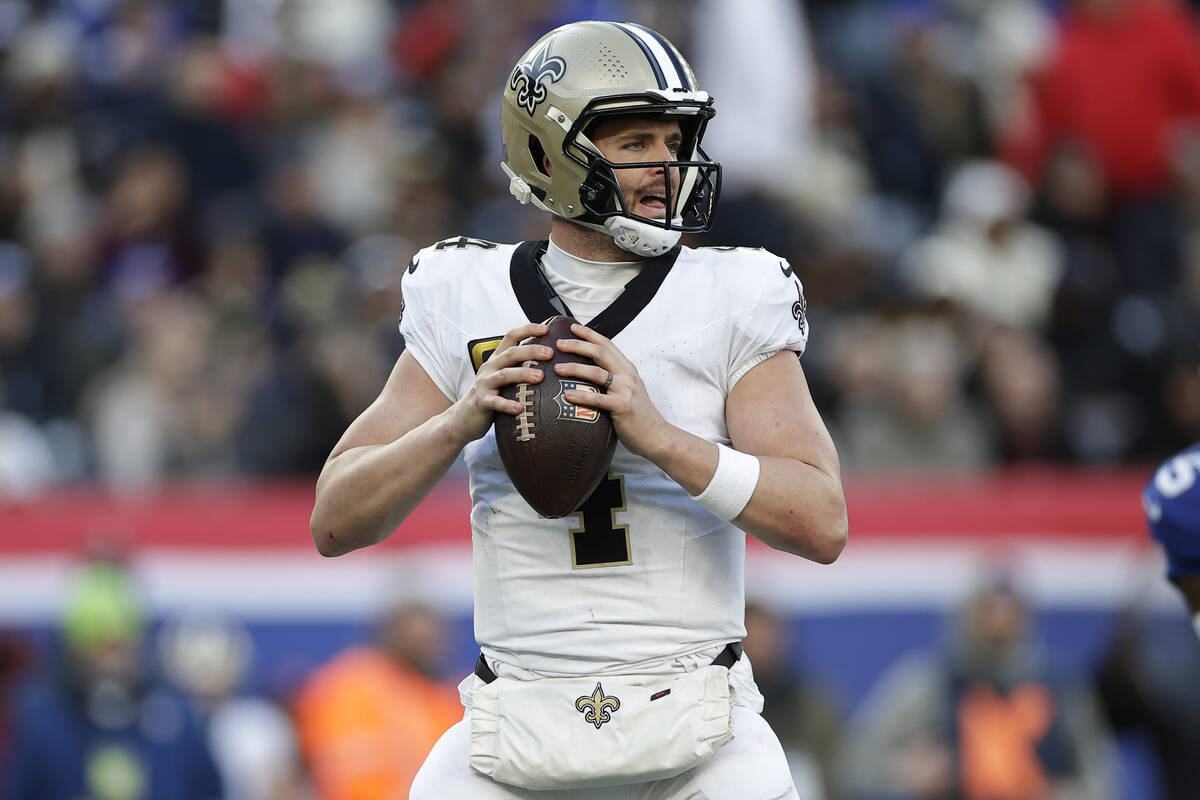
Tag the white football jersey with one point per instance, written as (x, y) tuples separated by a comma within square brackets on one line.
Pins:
[(642, 573)]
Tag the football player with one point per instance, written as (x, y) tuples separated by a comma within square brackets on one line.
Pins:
[(698, 350), (1172, 503)]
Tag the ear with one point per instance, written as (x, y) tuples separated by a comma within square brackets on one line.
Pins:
[(546, 166)]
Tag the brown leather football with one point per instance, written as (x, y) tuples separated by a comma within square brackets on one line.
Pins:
[(556, 453)]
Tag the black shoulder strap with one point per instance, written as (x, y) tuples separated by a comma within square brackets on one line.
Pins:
[(534, 294)]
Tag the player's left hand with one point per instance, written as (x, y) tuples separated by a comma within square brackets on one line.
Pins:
[(638, 424)]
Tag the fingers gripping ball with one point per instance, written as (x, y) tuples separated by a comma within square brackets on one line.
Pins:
[(555, 452)]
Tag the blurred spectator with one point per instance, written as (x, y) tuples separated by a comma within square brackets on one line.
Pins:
[(22, 351), (1123, 81), (756, 59), (105, 728), (1182, 393), (355, 165), (26, 457), (1022, 385), (920, 110), (147, 239), (997, 43), (297, 400), (368, 718), (214, 154), (903, 383), (985, 719), (164, 410), (294, 227), (836, 182), (1073, 201), (251, 737), (983, 257), (803, 714), (14, 659)]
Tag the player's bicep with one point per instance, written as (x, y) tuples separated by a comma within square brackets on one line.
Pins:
[(409, 398), (770, 412)]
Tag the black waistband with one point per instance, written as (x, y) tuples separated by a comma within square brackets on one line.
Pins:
[(726, 658)]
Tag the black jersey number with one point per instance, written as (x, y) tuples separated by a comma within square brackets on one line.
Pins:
[(599, 541)]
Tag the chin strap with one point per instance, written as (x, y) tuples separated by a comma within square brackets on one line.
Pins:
[(640, 238)]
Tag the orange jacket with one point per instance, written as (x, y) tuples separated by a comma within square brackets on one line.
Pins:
[(366, 724)]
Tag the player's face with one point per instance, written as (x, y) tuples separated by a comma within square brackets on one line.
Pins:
[(632, 140)]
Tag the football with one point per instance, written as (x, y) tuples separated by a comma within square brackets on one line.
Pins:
[(555, 452)]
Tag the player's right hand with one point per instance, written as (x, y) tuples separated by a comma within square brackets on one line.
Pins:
[(472, 414)]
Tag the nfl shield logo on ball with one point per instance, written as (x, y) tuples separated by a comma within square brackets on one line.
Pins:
[(570, 410)]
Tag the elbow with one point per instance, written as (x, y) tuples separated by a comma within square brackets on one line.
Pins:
[(327, 542), (324, 536), (338, 534), (832, 530), (831, 542)]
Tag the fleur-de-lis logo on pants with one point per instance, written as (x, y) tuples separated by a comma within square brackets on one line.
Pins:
[(597, 709), (529, 79)]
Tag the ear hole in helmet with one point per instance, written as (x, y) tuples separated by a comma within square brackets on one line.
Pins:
[(538, 154)]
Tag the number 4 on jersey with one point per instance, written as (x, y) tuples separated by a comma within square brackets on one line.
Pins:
[(599, 541)]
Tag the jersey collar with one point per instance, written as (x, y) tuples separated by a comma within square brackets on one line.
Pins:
[(534, 293)]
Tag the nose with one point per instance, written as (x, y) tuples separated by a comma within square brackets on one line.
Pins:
[(661, 152)]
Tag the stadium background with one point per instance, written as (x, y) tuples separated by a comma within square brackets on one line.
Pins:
[(205, 210)]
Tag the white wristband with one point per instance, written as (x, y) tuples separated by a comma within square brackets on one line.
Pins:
[(732, 484), (1196, 623)]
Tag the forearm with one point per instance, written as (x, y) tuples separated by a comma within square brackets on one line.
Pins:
[(365, 492), (796, 507)]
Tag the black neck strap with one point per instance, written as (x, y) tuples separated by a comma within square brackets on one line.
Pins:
[(534, 292)]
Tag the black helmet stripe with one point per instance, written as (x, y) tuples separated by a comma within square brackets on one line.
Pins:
[(671, 54), (658, 70)]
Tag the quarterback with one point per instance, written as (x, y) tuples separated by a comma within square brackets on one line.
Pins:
[(1172, 503), (611, 663)]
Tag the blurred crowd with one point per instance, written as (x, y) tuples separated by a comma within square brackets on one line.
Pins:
[(117, 705), (206, 207)]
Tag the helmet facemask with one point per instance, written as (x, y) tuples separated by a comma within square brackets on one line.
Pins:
[(695, 176)]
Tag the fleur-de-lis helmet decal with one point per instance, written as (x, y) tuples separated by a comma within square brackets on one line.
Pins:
[(528, 79), (597, 708)]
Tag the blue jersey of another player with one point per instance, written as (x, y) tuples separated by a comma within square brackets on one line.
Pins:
[(1172, 503)]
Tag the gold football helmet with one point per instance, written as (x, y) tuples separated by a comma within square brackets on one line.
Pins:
[(586, 71)]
